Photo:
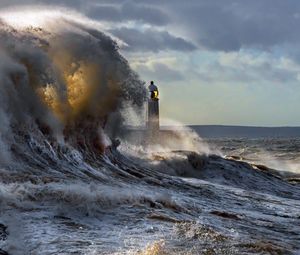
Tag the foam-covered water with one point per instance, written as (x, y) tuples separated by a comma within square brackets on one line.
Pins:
[(66, 189), (278, 153)]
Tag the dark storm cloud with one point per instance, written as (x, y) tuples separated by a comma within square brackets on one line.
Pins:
[(5, 3), (78, 5), (229, 25), (226, 25), (151, 40), (232, 25), (129, 11), (104, 10)]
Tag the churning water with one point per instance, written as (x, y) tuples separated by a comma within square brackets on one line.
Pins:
[(66, 189)]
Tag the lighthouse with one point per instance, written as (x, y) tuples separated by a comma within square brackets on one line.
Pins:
[(153, 111)]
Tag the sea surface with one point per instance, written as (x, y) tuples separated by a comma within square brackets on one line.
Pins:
[(74, 180), (133, 200)]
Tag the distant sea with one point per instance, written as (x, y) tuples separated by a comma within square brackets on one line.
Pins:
[(218, 131)]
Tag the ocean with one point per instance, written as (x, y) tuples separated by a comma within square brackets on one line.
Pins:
[(74, 180), (241, 197)]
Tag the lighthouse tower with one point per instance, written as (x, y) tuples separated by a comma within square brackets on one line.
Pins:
[(153, 110)]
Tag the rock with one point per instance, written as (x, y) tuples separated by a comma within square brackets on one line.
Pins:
[(3, 252), (3, 232), (226, 215), (197, 161), (3, 236), (162, 217)]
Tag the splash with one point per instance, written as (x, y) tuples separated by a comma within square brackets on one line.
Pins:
[(25, 17), (156, 248), (61, 81), (62, 78)]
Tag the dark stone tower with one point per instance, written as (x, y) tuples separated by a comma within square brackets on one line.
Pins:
[(153, 115)]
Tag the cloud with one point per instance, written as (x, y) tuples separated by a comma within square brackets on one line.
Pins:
[(151, 40), (76, 4), (159, 71), (228, 25), (244, 68), (114, 11), (231, 25), (128, 12), (237, 60)]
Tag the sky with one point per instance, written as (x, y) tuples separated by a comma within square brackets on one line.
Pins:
[(228, 62)]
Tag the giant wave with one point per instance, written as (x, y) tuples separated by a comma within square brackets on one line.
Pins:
[(66, 189)]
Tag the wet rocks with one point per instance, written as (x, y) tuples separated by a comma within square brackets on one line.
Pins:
[(226, 215), (3, 232), (197, 161), (262, 247), (156, 248), (194, 230), (3, 252), (162, 217), (3, 237)]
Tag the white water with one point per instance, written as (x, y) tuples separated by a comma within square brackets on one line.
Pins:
[(65, 190)]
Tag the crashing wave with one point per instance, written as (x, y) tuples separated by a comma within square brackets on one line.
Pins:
[(63, 182), (60, 84)]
